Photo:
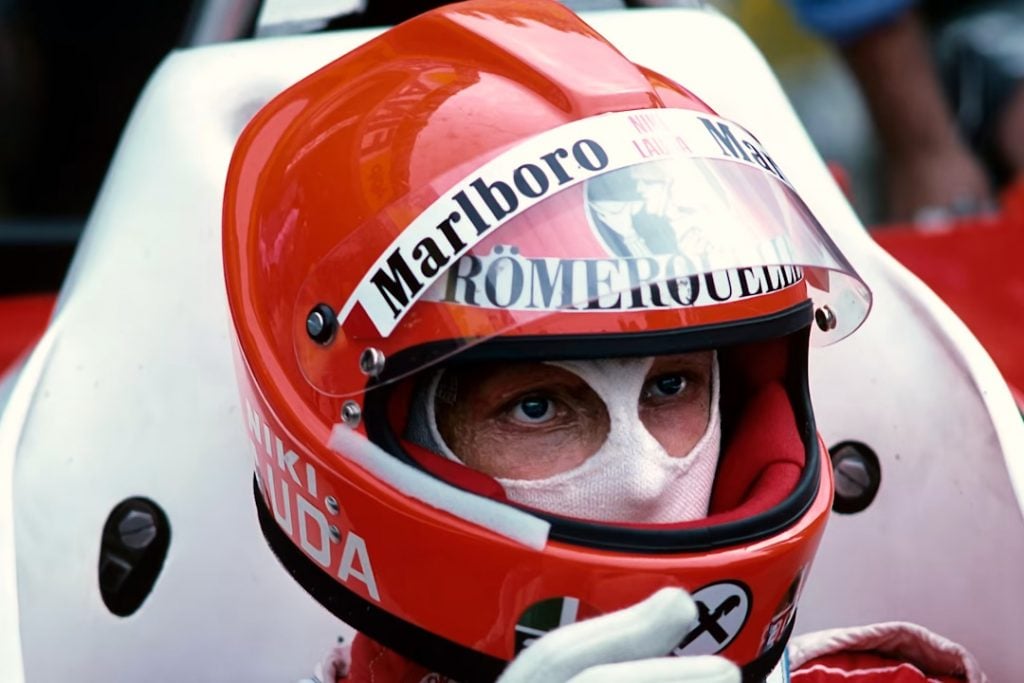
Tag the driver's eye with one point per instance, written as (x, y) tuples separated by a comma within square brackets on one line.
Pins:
[(534, 409), (666, 385)]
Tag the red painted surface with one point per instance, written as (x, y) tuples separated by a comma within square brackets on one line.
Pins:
[(22, 321), (975, 266)]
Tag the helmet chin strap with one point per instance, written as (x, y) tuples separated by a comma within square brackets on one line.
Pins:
[(630, 478)]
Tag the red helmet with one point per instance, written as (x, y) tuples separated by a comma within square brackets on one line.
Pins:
[(444, 195)]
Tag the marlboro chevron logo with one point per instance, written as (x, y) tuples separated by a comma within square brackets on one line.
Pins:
[(526, 175)]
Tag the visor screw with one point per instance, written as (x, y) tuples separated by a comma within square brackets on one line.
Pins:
[(350, 414), (332, 504), (137, 529), (321, 324), (825, 318), (371, 362), (335, 534), (857, 473)]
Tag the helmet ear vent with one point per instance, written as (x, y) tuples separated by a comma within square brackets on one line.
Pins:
[(134, 545), (858, 475)]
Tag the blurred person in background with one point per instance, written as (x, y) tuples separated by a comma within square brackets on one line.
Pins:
[(942, 81)]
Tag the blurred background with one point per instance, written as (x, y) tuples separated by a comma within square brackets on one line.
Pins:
[(70, 73)]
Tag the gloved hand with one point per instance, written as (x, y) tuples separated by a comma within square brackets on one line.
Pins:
[(629, 645)]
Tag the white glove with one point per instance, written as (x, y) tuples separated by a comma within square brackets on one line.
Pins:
[(628, 645)]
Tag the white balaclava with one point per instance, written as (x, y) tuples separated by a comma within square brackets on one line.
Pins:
[(631, 478)]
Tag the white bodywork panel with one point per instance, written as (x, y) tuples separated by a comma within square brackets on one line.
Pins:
[(132, 392)]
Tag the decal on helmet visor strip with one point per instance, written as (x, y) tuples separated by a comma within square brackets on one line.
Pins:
[(600, 144), (675, 229)]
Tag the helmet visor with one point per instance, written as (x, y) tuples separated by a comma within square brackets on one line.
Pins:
[(629, 221)]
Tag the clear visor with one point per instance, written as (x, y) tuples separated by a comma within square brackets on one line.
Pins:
[(672, 242)]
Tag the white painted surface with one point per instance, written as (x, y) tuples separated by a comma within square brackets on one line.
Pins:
[(132, 392)]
